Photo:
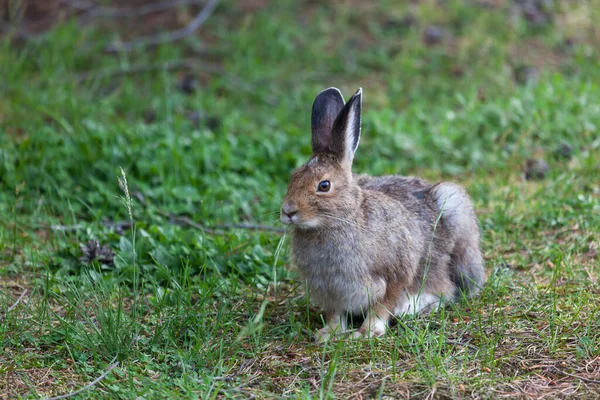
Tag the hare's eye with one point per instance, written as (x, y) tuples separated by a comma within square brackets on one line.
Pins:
[(324, 186)]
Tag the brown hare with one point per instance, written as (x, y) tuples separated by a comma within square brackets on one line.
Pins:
[(378, 246)]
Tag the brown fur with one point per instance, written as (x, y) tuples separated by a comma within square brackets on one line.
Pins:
[(375, 245)]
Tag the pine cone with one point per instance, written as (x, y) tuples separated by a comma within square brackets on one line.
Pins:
[(94, 251)]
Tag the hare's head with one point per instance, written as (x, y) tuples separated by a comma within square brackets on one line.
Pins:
[(322, 193)]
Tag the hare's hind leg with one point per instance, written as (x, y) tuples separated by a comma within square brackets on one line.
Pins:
[(466, 265), (399, 303), (416, 303), (466, 268)]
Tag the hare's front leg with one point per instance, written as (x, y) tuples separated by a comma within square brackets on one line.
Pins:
[(375, 323), (378, 316), (335, 324)]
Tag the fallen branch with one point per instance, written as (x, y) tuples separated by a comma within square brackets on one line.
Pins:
[(66, 228), (88, 386), (120, 226), (217, 229), (173, 36), (15, 304), (147, 68), (460, 343), (114, 12), (177, 220), (581, 378), (252, 227), (88, 12)]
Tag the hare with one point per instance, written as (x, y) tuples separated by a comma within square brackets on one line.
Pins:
[(377, 246)]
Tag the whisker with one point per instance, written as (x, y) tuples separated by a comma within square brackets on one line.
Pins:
[(269, 214)]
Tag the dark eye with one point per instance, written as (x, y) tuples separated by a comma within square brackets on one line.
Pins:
[(324, 186)]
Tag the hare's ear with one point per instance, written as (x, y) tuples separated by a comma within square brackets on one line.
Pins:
[(325, 110), (346, 130)]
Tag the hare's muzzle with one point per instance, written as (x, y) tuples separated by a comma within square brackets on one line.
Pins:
[(289, 212)]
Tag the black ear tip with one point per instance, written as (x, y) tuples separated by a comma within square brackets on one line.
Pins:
[(329, 98), (331, 89), (331, 93), (356, 99)]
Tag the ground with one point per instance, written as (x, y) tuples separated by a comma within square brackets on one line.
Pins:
[(140, 189)]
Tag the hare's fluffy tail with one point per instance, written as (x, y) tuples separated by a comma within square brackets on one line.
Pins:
[(455, 207)]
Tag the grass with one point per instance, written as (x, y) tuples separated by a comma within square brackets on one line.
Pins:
[(205, 313)]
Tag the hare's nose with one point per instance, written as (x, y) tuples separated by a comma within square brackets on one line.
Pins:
[(289, 208)]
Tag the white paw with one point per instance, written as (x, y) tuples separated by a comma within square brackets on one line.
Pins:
[(376, 329), (357, 334), (323, 335), (328, 333)]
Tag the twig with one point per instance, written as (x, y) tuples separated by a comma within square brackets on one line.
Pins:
[(181, 221), (173, 36), (80, 5), (145, 68), (15, 304), (113, 12), (248, 363), (215, 230), (251, 227), (120, 226), (66, 228), (88, 12), (88, 386), (587, 380), (117, 226), (431, 394), (459, 343)]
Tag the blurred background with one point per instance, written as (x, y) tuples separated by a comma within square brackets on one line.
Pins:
[(205, 104)]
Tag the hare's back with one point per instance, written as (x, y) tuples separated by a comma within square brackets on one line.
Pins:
[(403, 188)]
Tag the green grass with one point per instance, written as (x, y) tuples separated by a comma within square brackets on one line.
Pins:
[(196, 313)]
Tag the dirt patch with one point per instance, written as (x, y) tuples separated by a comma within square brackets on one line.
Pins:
[(14, 286), (38, 381)]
